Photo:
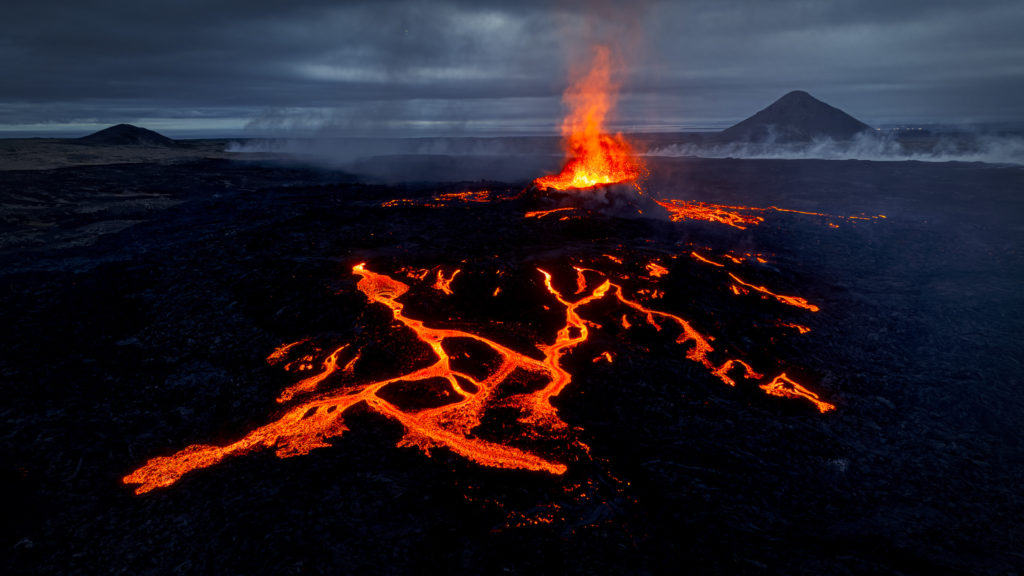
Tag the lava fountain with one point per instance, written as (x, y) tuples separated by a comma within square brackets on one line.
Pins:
[(595, 157)]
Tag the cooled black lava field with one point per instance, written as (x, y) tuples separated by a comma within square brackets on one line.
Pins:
[(140, 304)]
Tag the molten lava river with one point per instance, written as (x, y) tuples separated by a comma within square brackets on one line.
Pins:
[(316, 405)]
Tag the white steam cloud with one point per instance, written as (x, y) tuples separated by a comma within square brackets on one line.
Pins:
[(991, 148)]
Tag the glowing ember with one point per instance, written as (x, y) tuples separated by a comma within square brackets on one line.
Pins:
[(595, 157), (311, 423)]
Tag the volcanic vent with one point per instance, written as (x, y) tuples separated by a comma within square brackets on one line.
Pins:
[(602, 171)]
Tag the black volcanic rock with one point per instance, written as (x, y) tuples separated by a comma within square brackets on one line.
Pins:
[(796, 117), (141, 301), (127, 135)]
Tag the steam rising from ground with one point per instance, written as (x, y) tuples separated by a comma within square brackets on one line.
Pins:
[(523, 158), (393, 160), (991, 148)]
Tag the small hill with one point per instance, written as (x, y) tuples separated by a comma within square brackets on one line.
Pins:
[(127, 135), (796, 117)]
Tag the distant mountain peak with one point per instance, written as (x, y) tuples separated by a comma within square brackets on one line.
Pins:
[(127, 135), (794, 94), (796, 117)]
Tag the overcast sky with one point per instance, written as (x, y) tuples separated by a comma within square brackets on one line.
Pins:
[(484, 67)]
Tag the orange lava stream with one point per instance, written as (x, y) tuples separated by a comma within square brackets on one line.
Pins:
[(656, 270), (723, 371), (442, 200), (308, 425), (281, 351), (445, 284), (682, 210), (330, 365), (596, 157), (469, 196), (785, 387), (791, 300), (564, 341), (543, 213), (701, 345), (706, 261), (799, 327), (581, 279), (735, 215), (312, 422), (777, 209)]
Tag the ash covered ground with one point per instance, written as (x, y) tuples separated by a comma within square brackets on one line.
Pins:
[(141, 302)]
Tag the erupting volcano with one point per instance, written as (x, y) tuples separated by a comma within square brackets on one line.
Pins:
[(445, 402), (595, 156)]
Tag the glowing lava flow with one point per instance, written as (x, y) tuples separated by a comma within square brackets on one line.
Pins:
[(596, 157), (799, 327), (445, 284), (679, 210), (310, 423), (736, 216), (543, 213), (442, 200), (791, 300), (785, 387), (656, 270), (723, 371), (281, 352), (705, 260), (311, 383)]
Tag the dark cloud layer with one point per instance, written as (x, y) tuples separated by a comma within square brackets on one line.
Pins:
[(488, 66)]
